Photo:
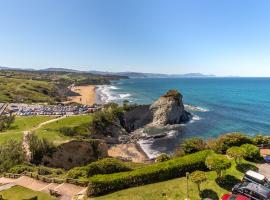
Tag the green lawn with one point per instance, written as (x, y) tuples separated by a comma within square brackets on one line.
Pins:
[(176, 189), (21, 124), (20, 193), (51, 131)]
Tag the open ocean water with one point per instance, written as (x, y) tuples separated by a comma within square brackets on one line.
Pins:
[(226, 105)]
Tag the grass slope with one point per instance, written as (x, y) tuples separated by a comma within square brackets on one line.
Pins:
[(51, 131), (27, 91), (19, 193), (174, 189), (21, 124)]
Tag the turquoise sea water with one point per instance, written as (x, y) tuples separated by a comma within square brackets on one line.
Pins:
[(232, 104)]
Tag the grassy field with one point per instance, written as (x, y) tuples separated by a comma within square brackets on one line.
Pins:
[(21, 124), (19, 193), (176, 189), (24, 90), (51, 131)]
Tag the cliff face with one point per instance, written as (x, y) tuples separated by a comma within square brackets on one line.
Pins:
[(76, 153), (169, 109)]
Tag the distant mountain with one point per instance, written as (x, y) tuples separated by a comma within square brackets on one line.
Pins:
[(128, 74), (60, 70), (151, 75)]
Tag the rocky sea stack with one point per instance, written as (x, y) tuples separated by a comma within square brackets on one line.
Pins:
[(169, 109)]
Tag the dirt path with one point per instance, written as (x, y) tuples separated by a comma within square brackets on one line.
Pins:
[(26, 134)]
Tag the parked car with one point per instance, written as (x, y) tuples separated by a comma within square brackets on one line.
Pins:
[(267, 159), (255, 177), (252, 190), (234, 197)]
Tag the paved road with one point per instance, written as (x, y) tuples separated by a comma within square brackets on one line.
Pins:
[(264, 169)]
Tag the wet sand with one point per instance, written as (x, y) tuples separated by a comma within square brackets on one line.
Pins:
[(87, 95), (128, 151)]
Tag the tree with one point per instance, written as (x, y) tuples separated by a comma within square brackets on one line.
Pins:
[(237, 153), (6, 121), (217, 163), (252, 153), (198, 177), (39, 148), (193, 145), (11, 154)]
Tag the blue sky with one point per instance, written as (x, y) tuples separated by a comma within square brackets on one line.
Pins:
[(222, 37)]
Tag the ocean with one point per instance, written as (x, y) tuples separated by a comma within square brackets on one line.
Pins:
[(223, 105)]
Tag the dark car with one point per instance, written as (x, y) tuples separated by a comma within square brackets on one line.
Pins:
[(252, 190), (234, 197), (267, 158)]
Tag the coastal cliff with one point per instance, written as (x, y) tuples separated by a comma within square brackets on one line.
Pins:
[(169, 109)]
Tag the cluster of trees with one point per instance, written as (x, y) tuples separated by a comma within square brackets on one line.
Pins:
[(6, 121), (222, 144)]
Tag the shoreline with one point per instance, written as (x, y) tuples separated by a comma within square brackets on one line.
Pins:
[(87, 95)]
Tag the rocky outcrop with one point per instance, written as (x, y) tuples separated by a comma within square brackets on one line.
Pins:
[(76, 153), (169, 109)]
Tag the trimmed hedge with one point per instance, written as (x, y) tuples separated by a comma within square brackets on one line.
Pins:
[(104, 184)]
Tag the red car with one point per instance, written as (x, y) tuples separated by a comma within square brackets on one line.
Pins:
[(234, 197)]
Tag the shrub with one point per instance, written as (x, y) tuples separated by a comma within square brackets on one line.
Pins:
[(107, 166), (103, 184), (217, 163), (198, 177), (193, 145), (11, 154), (44, 170), (18, 169), (261, 140), (78, 172), (68, 131), (237, 153), (224, 142), (6, 121), (252, 152), (162, 157)]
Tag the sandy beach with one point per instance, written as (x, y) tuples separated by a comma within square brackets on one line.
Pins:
[(87, 95), (128, 151)]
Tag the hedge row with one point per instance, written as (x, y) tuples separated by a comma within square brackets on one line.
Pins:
[(104, 184)]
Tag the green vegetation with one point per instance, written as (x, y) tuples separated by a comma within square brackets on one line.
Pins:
[(176, 188), (103, 184), (217, 163), (15, 131), (252, 153), (5, 122), (237, 153), (103, 166), (198, 177), (193, 145), (53, 132), (19, 193), (44, 86), (162, 157), (11, 154)]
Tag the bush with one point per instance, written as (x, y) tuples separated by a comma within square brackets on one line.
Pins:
[(6, 121), (193, 145), (162, 157), (78, 172), (252, 153), (18, 169), (103, 184), (107, 166), (237, 153), (68, 131), (224, 142), (217, 163), (198, 177), (261, 140), (44, 170)]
